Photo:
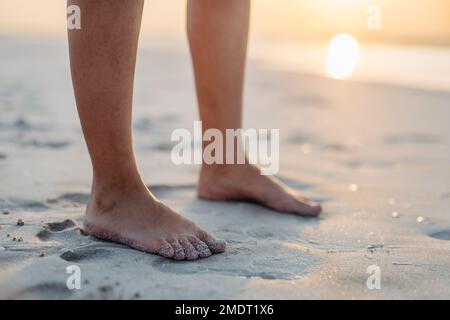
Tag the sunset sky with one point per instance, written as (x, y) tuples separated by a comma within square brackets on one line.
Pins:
[(402, 20)]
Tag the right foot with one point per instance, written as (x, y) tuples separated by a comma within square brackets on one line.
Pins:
[(134, 217)]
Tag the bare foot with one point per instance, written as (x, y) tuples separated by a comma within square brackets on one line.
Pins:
[(133, 216), (244, 182)]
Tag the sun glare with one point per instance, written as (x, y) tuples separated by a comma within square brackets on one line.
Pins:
[(343, 56)]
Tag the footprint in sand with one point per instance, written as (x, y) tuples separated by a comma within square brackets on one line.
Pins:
[(77, 247), (64, 231), (445, 195), (60, 226), (78, 198), (86, 254), (35, 206), (441, 235), (261, 233)]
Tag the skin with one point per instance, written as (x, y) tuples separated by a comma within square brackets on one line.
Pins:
[(103, 58), (218, 34)]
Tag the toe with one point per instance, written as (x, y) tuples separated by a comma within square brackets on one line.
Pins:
[(189, 251), (307, 207), (315, 209), (178, 251), (215, 245), (166, 250), (200, 246)]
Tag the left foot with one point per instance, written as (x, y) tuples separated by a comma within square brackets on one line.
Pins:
[(244, 182)]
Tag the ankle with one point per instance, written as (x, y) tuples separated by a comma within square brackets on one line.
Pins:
[(105, 194)]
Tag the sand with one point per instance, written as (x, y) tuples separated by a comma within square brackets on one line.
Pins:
[(377, 156)]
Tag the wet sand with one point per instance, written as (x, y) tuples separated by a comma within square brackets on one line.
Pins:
[(377, 156)]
